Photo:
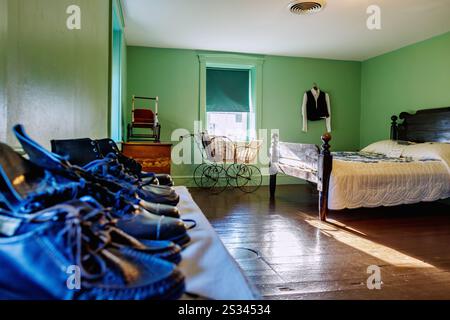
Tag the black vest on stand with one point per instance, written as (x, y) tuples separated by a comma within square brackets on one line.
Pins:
[(319, 111)]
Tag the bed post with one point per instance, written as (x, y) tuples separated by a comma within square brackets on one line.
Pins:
[(394, 128), (273, 169), (273, 185), (325, 167)]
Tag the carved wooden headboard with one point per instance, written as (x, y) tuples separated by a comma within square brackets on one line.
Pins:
[(425, 125)]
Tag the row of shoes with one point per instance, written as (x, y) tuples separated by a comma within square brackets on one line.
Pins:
[(84, 222)]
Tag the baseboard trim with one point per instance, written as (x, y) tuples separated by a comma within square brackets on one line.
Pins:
[(281, 180)]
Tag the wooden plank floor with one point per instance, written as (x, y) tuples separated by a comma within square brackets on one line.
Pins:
[(289, 254)]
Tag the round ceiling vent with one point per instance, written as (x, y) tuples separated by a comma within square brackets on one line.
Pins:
[(306, 7)]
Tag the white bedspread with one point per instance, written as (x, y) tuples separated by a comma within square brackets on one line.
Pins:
[(210, 270), (357, 184), (413, 172)]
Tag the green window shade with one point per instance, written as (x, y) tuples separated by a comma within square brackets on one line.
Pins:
[(227, 90)]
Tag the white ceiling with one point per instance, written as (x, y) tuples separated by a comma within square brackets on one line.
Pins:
[(267, 26)]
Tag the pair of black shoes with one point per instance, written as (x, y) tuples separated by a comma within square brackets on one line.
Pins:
[(67, 233)]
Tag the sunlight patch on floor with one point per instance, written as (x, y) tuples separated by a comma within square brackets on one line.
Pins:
[(338, 232)]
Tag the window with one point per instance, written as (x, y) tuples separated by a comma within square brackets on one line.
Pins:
[(228, 103), (231, 94)]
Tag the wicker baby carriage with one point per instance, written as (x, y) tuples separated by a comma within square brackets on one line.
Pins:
[(227, 163)]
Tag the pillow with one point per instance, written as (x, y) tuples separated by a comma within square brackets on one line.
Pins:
[(385, 147), (390, 148), (428, 150), (417, 151)]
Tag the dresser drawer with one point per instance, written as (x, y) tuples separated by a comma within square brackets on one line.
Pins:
[(154, 157)]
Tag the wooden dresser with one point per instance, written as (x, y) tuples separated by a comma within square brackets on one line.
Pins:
[(154, 157)]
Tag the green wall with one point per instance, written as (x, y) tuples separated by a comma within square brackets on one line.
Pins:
[(57, 79), (173, 75), (412, 78), (285, 81)]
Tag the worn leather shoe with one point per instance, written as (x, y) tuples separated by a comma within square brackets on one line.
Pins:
[(56, 254), (30, 187), (111, 169), (86, 153), (160, 209), (107, 146)]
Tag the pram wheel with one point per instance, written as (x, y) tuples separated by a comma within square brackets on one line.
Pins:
[(233, 172), (198, 173), (249, 178), (214, 178)]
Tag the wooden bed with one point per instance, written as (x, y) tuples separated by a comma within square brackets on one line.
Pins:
[(431, 125)]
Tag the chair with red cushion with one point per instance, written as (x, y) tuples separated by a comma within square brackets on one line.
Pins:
[(144, 119)]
